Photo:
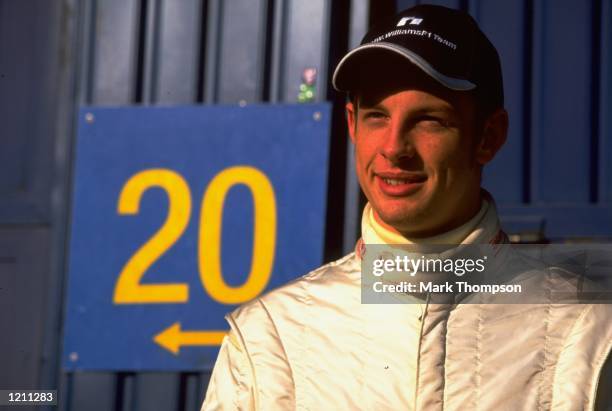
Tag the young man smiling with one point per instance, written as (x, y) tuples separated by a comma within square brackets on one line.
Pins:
[(420, 148), (425, 115)]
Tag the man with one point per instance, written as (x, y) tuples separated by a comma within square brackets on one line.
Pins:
[(425, 115)]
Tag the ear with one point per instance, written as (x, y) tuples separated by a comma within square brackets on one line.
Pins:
[(493, 137), (351, 120)]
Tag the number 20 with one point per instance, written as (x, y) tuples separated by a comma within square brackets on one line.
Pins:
[(129, 290)]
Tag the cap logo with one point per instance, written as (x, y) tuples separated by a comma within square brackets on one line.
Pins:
[(412, 20)]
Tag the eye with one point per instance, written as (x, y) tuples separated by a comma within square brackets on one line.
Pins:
[(430, 122), (433, 119), (374, 115)]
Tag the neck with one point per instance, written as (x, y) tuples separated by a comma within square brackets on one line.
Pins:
[(454, 234), (420, 235)]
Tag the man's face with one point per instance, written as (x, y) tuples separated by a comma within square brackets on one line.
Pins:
[(416, 160)]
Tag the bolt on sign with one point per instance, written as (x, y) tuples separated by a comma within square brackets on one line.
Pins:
[(179, 215)]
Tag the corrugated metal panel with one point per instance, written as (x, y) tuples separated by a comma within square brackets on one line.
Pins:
[(24, 258), (499, 21), (242, 51), (562, 102), (170, 38), (156, 391), (109, 47), (27, 75), (95, 392), (306, 39), (115, 51), (178, 52), (33, 63)]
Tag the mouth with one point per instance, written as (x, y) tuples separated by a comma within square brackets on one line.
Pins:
[(396, 185)]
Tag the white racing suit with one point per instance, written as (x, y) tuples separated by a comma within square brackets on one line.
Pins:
[(312, 345)]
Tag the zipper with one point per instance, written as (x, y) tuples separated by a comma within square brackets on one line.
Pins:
[(418, 360)]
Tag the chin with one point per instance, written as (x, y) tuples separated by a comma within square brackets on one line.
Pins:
[(405, 216), (401, 220)]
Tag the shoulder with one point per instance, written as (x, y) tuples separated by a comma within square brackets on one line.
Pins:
[(334, 280), (583, 355), (274, 328)]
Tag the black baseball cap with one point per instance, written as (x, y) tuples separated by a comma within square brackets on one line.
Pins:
[(444, 43)]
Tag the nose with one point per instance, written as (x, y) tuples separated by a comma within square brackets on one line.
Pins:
[(397, 145)]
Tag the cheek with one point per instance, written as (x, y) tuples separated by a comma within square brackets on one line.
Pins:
[(364, 153), (361, 164), (435, 154), (440, 155)]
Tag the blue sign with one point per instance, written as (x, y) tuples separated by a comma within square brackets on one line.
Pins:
[(180, 215)]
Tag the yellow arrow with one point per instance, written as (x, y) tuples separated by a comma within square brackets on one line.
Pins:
[(172, 338)]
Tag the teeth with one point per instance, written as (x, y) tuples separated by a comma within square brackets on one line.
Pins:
[(394, 181)]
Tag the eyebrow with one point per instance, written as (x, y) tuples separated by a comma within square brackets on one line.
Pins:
[(372, 107), (433, 108)]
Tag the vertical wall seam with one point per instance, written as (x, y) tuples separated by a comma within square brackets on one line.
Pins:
[(527, 134), (262, 51), (89, 33), (71, 39), (66, 390), (534, 65), (277, 56), (264, 91), (336, 40), (182, 392), (605, 102), (322, 76), (200, 73), (595, 113), (213, 41), (217, 59), (118, 392), (137, 74), (287, 35), (149, 72), (157, 45)]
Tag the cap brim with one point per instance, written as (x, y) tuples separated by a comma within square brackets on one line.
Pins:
[(341, 79)]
